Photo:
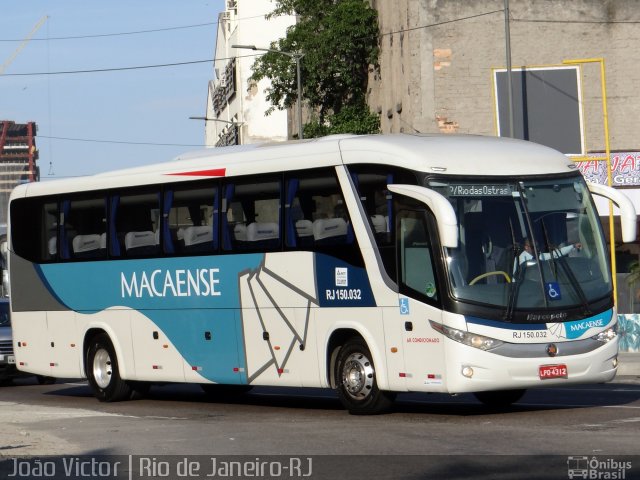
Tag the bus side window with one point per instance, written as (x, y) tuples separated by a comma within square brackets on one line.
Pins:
[(415, 256), (84, 231), (250, 218), (135, 225), (191, 217), (316, 216), (42, 247)]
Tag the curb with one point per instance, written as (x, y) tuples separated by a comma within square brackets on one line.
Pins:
[(629, 363)]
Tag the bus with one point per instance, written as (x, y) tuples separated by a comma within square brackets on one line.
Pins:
[(371, 265)]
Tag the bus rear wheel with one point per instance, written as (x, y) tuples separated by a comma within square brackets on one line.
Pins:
[(356, 380), (500, 398), (102, 371)]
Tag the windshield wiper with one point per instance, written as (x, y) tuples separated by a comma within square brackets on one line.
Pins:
[(549, 248), (518, 273), (536, 253), (575, 284), (557, 257)]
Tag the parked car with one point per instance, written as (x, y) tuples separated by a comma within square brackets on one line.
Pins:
[(8, 368)]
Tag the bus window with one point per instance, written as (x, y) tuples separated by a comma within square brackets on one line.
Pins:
[(41, 246), (251, 219), (84, 230), (371, 183), (135, 225), (317, 218), (415, 257), (191, 220)]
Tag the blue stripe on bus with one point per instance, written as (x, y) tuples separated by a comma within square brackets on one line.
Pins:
[(572, 330), (207, 287), (142, 284)]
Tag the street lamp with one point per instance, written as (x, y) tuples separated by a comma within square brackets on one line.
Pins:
[(207, 119), (296, 57), (223, 136)]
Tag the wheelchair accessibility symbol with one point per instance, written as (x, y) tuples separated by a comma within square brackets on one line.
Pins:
[(404, 306), (553, 291)]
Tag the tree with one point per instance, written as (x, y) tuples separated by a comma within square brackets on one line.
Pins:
[(339, 41)]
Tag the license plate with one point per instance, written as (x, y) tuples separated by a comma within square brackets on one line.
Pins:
[(11, 359), (552, 371)]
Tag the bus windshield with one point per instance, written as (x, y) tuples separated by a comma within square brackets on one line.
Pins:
[(526, 244)]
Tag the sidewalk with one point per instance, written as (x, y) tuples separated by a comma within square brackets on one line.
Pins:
[(629, 364)]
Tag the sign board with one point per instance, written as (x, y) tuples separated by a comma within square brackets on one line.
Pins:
[(546, 106)]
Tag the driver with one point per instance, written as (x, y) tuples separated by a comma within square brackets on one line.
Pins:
[(527, 252)]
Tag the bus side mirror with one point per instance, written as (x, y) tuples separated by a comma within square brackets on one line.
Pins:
[(441, 208), (627, 210)]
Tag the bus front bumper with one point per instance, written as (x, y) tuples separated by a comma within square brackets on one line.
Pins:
[(473, 370)]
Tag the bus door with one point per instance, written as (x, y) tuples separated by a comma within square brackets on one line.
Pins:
[(419, 295)]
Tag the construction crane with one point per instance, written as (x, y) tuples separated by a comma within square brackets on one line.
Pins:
[(23, 44)]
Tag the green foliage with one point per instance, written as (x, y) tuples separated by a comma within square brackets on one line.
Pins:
[(351, 119), (339, 41)]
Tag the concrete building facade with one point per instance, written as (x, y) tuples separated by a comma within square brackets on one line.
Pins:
[(18, 160), (236, 106), (437, 59)]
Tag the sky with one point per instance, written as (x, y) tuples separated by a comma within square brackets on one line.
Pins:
[(95, 122)]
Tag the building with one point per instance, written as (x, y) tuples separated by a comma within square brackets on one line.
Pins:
[(236, 106), (439, 62), (18, 157)]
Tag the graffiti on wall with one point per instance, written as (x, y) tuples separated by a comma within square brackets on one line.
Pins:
[(629, 331), (625, 169)]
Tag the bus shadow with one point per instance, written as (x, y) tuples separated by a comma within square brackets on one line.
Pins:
[(550, 399)]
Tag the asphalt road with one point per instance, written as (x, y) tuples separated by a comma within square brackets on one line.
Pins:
[(548, 426)]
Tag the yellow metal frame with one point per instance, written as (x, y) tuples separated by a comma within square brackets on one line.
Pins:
[(533, 67), (607, 158)]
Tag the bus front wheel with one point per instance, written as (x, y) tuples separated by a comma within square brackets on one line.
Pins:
[(356, 380), (102, 371)]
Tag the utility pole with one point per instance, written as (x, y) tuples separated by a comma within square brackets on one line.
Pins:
[(507, 36)]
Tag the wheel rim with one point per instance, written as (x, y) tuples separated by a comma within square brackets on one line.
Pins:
[(358, 376), (102, 368)]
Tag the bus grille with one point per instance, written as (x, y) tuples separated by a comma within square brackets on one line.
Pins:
[(6, 347)]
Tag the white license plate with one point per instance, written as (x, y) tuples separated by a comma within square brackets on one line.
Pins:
[(547, 372), (11, 359)]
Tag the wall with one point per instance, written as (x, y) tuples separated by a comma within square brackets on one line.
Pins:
[(440, 68)]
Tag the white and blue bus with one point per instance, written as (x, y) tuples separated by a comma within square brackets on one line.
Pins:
[(368, 264)]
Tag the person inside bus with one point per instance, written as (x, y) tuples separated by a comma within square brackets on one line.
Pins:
[(527, 253)]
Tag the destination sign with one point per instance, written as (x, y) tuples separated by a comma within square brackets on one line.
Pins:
[(478, 190)]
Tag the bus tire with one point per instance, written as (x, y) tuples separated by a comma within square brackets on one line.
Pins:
[(356, 380), (102, 371), (499, 398)]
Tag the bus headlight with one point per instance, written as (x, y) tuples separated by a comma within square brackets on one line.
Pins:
[(607, 335), (466, 338)]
